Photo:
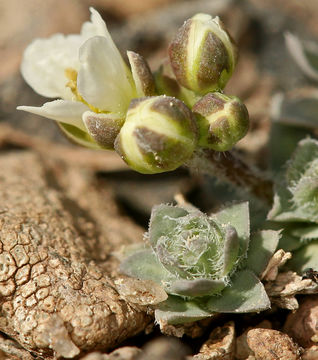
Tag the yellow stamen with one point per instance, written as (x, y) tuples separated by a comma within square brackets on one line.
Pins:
[(71, 75)]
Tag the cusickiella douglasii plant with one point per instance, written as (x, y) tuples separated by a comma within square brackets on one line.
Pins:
[(207, 264), (159, 121)]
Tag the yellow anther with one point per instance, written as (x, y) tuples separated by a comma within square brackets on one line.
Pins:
[(71, 74)]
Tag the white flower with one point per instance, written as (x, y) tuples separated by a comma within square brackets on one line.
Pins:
[(88, 74)]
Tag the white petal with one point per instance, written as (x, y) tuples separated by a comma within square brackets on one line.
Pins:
[(68, 112), (44, 63), (95, 27), (104, 80)]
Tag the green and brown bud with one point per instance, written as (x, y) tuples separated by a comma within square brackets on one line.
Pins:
[(159, 135), (203, 55), (103, 128), (222, 121), (144, 81)]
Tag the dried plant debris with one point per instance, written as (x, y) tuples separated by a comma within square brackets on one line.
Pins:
[(278, 260), (220, 345), (141, 292), (282, 291), (54, 297)]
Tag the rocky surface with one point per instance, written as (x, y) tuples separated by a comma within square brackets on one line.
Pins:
[(54, 295)]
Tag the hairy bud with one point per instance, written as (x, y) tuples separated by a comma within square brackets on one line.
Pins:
[(103, 128), (159, 135), (222, 121), (203, 55)]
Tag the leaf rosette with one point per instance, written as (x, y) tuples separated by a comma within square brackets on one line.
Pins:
[(207, 264), (296, 206)]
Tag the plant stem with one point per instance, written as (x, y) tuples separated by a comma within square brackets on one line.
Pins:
[(229, 167)]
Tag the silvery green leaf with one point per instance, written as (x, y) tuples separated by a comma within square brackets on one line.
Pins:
[(305, 54), (261, 248), (176, 310), (283, 140), (305, 154), (304, 258), (305, 233), (163, 221), (236, 215), (196, 287), (145, 266), (296, 197), (300, 112), (246, 294), (288, 242)]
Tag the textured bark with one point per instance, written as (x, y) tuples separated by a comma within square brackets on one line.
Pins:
[(55, 293)]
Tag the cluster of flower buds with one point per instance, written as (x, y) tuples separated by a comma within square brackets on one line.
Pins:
[(155, 122)]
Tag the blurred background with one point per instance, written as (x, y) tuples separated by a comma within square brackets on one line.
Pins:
[(146, 26)]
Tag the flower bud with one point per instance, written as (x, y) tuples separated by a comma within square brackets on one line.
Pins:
[(203, 55), (103, 128), (144, 81), (222, 121), (159, 135)]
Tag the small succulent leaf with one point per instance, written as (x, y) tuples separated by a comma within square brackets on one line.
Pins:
[(305, 233), (231, 249), (305, 54), (246, 294), (145, 266), (236, 215), (176, 310), (163, 221), (299, 112), (196, 287), (288, 242), (304, 258), (261, 248), (305, 154), (283, 140), (296, 196), (78, 136)]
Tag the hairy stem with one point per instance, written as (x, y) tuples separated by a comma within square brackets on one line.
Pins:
[(229, 167)]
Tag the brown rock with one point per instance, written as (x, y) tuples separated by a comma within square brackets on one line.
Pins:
[(242, 350), (220, 345), (310, 353), (123, 353), (270, 344), (302, 325), (164, 348), (55, 296)]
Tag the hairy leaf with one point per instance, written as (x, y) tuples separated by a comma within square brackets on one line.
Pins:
[(262, 246), (144, 265), (176, 310), (236, 215), (246, 294)]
